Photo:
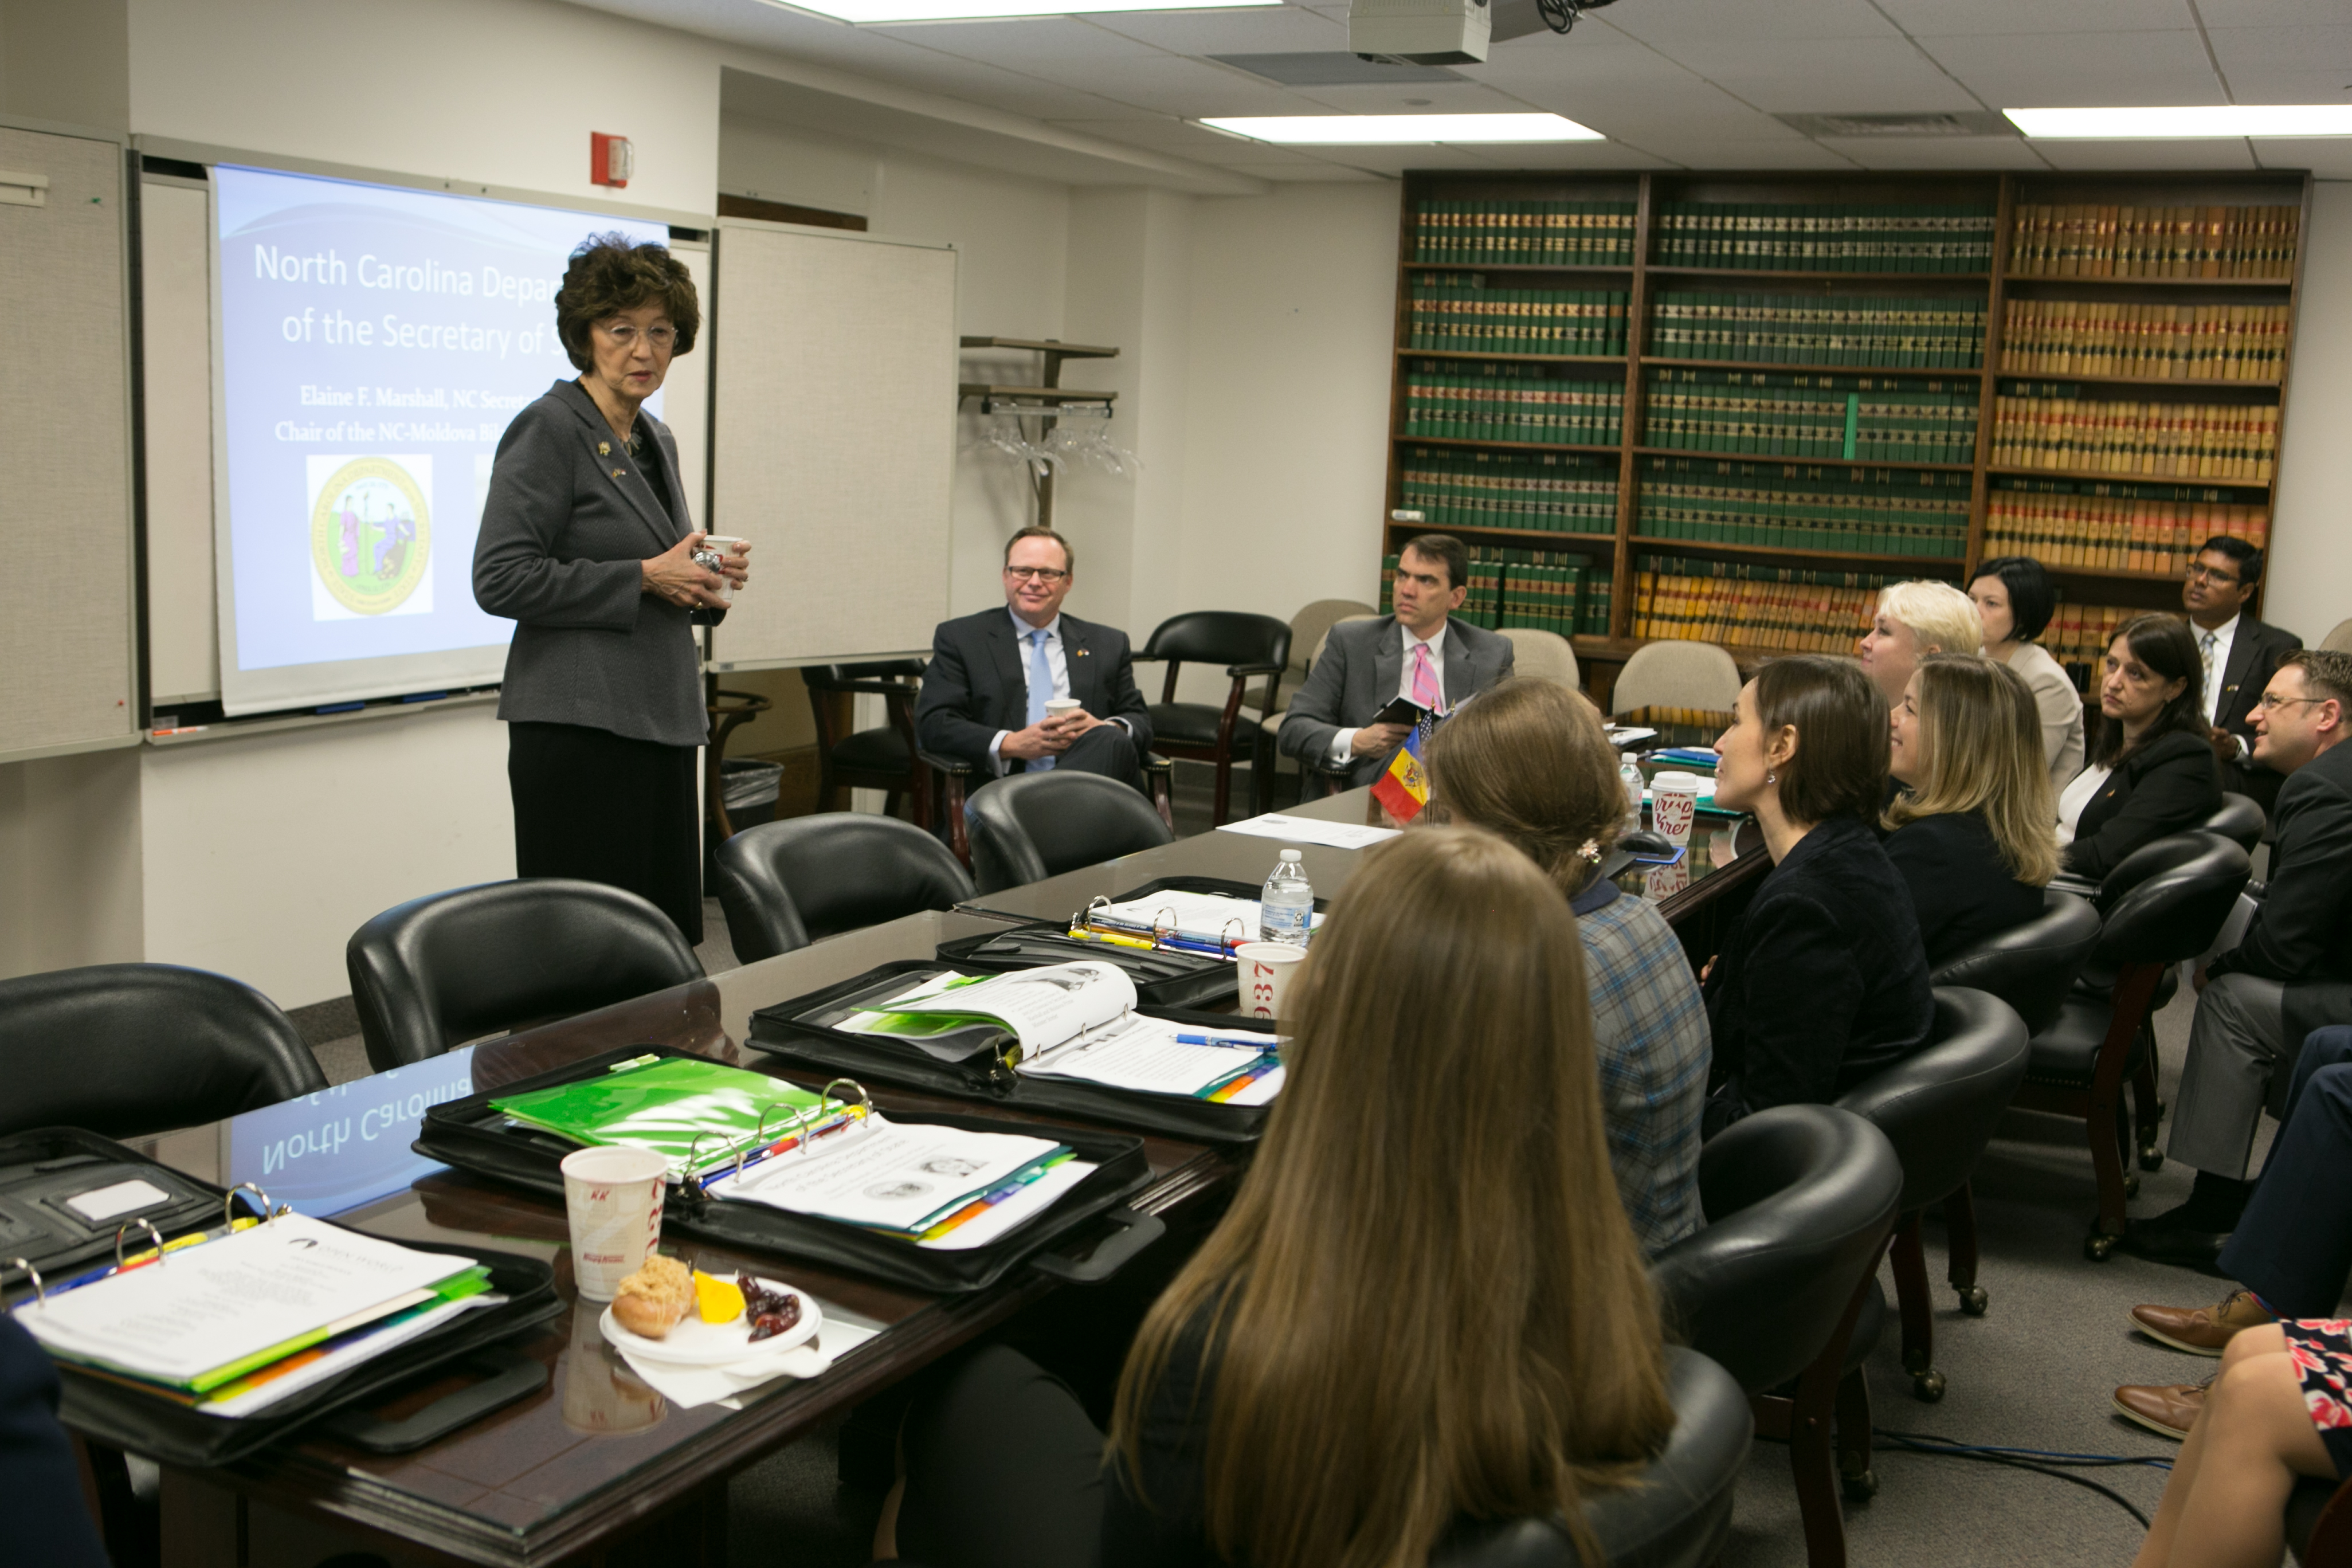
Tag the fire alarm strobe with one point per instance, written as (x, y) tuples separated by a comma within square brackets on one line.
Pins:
[(611, 159)]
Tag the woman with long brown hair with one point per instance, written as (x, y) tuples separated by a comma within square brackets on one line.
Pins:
[(2151, 769), (1528, 760), (1414, 1310), (1974, 830)]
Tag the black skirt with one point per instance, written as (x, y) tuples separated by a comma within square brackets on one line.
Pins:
[(604, 809)]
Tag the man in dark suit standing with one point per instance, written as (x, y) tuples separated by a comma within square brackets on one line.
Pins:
[(2290, 976), (1422, 655), (2238, 653), (992, 675)]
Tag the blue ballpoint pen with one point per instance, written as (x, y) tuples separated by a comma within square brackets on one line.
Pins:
[(1231, 1042)]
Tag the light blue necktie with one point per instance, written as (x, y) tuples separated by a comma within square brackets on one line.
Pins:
[(1040, 687)]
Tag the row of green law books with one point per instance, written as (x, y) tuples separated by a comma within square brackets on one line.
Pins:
[(1865, 511), (1500, 406), (1541, 590), (1802, 236), (1545, 492), (1457, 313), (1771, 414), (1788, 329), (1527, 234)]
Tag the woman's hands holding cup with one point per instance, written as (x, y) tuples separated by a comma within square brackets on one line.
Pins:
[(676, 576)]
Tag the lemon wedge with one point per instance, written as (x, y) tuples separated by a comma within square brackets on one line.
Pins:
[(719, 1300)]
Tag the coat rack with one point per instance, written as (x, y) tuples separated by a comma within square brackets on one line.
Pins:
[(1046, 401)]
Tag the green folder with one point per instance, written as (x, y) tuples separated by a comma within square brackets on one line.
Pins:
[(667, 1104)]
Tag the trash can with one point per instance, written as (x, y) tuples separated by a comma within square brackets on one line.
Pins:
[(751, 789)]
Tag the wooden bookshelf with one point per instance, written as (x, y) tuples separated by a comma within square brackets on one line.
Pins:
[(1660, 204)]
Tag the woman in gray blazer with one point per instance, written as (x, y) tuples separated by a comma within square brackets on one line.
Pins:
[(586, 544)]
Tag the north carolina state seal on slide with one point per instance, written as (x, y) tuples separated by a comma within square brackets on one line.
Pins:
[(370, 531)]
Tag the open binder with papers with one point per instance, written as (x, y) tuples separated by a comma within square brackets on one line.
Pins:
[(939, 1202), (208, 1325), (1066, 1039)]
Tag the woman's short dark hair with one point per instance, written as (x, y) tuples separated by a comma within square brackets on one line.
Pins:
[(2163, 644), (1840, 768), (2030, 597), (609, 274)]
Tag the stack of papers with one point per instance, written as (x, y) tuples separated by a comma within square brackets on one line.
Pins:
[(1310, 830), (1078, 1021), (232, 1325), (937, 1186), (1212, 923)]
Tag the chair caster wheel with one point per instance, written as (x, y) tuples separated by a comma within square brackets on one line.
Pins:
[(2151, 1160), (2098, 1248), (2131, 1184), (1974, 1301), (1861, 1486), (1927, 1388)]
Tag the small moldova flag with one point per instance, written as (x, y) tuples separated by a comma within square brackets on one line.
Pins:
[(1404, 790)]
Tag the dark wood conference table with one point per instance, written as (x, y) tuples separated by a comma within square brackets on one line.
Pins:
[(597, 1468)]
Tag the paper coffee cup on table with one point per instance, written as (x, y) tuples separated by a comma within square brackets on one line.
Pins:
[(1673, 801), (1266, 969), (612, 1198)]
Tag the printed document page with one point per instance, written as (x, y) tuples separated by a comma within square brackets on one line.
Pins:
[(894, 1175), (1310, 830), (1043, 1007), (1145, 1053)]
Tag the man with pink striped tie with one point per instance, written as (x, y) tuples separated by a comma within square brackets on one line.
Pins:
[(1423, 657)]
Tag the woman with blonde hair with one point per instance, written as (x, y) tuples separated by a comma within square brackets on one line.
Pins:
[(1414, 1311), (1914, 619), (1974, 830), (1529, 761)]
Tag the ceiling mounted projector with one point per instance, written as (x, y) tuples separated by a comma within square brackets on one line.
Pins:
[(1452, 32)]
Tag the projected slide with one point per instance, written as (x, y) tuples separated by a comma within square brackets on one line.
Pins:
[(374, 342)]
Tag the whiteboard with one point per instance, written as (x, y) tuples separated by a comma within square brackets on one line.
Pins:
[(833, 441), (68, 628)]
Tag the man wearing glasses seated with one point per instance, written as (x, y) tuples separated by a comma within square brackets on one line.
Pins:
[(993, 675), (2239, 654), (2291, 975)]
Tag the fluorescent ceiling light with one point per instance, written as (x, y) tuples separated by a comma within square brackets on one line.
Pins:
[(2188, 123), (1401, 130), (983, 10)]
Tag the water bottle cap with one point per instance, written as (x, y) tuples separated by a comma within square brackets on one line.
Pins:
[(1290, 854)]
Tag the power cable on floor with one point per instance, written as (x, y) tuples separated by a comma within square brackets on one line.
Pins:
[(2057, 1466)]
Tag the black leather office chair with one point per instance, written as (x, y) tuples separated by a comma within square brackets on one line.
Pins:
[(1674, 1512), (1026, 827), (451, 967), (127, 1049), (1782, 1286), (1938, 1108), (2240, 820), (2183, 888), (1246, 645), (785, 884)]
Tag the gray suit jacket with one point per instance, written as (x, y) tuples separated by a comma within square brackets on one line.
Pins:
[(569, 519), (1359, 674)]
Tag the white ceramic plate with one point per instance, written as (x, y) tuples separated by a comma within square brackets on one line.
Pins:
[(696, 1343)]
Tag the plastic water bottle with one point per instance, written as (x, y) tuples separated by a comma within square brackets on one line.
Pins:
[(1630, 775), (1286, 910)]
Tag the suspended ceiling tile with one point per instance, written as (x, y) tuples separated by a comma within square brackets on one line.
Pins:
[(1935, 151), (1719, 125), (1572, 155), (2269, 13), (2042, 70), (2287, 65), (2232, 153), (1265, 30), (1174, 85), (1669, 23), (1423, 97), (1743, 152), (1164, 134), (1019, 42), (1012, 91), (1313, 172), (1826, 75), (1942, 18), (2329, 157)]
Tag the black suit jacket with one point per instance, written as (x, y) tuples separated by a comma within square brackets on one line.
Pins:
[(1958, 886), (2303, 932), (2168, 785), (978, 683), (39, 1483), (1823, 982), (2254, 654)]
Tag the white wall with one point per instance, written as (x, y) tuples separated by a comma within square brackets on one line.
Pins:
[(70, 864), (2309, 580), (263, 854)]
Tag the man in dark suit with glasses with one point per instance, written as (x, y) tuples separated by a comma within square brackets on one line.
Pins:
[(2240, 655), (992, 676)]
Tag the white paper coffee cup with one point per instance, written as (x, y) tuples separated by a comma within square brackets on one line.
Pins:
[(1673, 801), (1267, 968), (726, 544), (612, 1198), (1062, 707)]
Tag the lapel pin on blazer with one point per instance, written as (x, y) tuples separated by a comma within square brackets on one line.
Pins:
[(603, 448), (619, 473)]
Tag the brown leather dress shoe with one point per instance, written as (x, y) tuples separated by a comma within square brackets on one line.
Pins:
[(2169, 1409), (2200, 1331)]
